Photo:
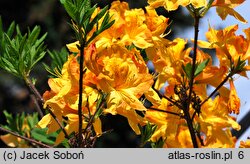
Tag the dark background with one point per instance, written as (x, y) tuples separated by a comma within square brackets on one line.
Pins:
[(51, 16)]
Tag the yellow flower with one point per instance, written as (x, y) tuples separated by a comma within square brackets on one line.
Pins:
[(157, 24), (130, 28), (63, 100), (230, 48), (168, 58), (215, 123), (245, 144), (168, 125), (211, 75), (123, 75), (225, 8), (13, 141), (174, 4), (234, 100), (247, 54)]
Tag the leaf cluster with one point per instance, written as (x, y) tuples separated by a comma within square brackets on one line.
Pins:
[(83, 23), (25, 125), (58, 59), (146, 132), (239, 67), (198, 68), (19, 53), (17, 124)]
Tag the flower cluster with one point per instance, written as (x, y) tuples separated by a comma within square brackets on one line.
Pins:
[(114, 65)]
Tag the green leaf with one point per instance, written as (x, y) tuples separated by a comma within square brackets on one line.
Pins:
[(188, 69), (87, 16), (158, 144), (70, 8), (32, 120), (64, 144), (146, 132), (11, 29), (9, 117), (96, 18), (41, 135), (20, 53), (200, 67), (14, 124), (58, 58)]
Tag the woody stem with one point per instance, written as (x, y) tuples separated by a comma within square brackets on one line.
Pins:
[(191, 83), (80, 96), (40, 99), (25, 138), (217, 88)]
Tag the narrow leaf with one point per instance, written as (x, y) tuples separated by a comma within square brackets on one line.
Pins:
[(188, 69), (200, 67)]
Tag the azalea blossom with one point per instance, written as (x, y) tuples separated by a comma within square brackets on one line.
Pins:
[(230, 48), (226, 7), (174, 4), (63, 101), (245, 144), (234, 100), (123, 76)]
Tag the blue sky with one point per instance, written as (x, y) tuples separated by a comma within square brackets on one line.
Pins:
[(241, 84)]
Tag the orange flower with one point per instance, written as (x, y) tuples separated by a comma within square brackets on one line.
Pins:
[(13, 141), (157, 24), (230, 48), (168, 58), (123, 75), (167, 124), (215, 123), (225, 8), (245, 144), (129, 28), (63, 101), (234, 101), (174, 4)]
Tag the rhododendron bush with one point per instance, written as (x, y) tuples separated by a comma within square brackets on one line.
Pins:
[(106, 72)]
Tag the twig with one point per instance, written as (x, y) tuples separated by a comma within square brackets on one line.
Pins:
[(41, 101), (93, 116), (169, 99), (217, 88), (191, 83), (37, 98), (80, 95), (164, 111), (58, 122), (191, 128), (37, 106), (25, 138)]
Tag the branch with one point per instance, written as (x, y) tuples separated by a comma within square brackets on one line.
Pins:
[(25, 138), (38, 108), (39, 99), (93, 116), (169, 99), (217, 88), (80, 94), (191, 83), (160, 110)]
